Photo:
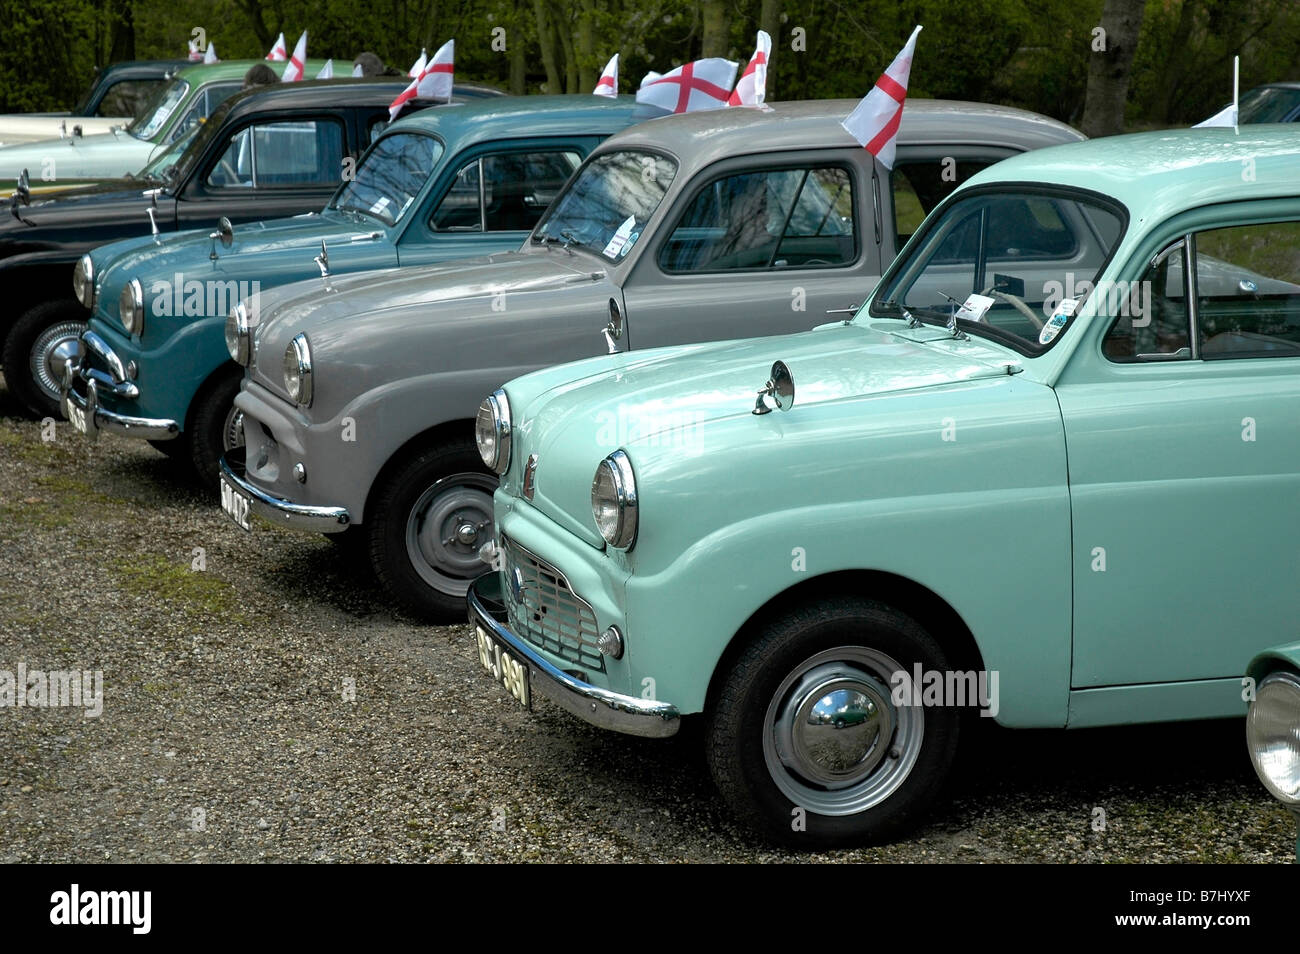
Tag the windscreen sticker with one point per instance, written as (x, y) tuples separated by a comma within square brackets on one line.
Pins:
[(1059, 317), (975, 307), (620, 239), (378, 207)]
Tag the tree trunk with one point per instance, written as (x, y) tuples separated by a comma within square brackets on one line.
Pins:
[(769, 21), (570, 55), (518, 50), (1109, 68), (121, 45), (716, 22), (549, 43), (253, 10), (588, 59)]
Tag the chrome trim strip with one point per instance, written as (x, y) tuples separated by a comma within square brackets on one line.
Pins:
[(600, 707), (277, 509), (104, 351), (98, 419)]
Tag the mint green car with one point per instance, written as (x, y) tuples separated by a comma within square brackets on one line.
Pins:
[(1048, 472), (1273, 725)]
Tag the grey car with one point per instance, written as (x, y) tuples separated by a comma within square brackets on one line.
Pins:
[(361, 392)]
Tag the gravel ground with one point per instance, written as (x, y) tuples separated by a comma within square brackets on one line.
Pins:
[(225, 734)]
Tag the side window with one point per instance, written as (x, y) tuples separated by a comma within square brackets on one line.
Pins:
[(204, 103), (1152, 321), (507, 192), (1248, 291), (273, 155), (126, 98), (918, 187), (779, 218)]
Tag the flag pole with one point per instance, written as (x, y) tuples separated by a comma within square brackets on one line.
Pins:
[(1236, 85)]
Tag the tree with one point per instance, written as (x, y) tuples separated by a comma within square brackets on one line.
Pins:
[(1114, 46)]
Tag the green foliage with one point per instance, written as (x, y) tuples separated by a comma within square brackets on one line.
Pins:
[(1030, 53)]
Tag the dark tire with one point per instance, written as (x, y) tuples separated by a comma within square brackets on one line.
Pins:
[(431, 498), (773, 748), (214, 427), (34, 350)]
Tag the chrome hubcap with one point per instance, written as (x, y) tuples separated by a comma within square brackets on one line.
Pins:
[(447, 525), (51, 349), (833, 740), (232, 431)]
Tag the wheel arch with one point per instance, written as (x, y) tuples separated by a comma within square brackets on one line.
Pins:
[(457, 428)]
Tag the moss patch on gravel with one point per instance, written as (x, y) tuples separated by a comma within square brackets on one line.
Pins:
[(178, 587)]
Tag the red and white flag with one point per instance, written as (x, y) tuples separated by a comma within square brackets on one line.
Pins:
[(751, 90), (418, 66), (874, 122), (210, 56), (607, 85), (327, 71), (434, 81), (702, 84), (279, 53), (196, 52), (293, 72)]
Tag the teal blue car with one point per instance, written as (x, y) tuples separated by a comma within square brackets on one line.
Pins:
[(1273, 725), (1049, 472), (447, 183)]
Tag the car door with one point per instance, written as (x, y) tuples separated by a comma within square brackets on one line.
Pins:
[(269, 168), (1184, 456), (757, 246), (489, 200)]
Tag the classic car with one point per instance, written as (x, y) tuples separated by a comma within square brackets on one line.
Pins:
[(406, 204), (1270, 103), (114, 98), (1273, 725), (686, 228), (1049, 471), (190, 97), (313, 126)]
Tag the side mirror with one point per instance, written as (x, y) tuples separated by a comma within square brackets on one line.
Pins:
[(225, 231), (23, 190), (614, 330), (778, 393)]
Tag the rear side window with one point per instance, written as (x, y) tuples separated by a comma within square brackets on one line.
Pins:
[(769, 219), (273, 155), (919, 186)]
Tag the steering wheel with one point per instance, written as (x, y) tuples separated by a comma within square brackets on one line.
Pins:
[(228, 172), (1016, 303)]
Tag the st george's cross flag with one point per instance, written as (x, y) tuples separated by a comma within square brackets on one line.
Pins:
[(434, 81), (279, 53), (874, 122), (293, 72), (751, 89), (196, 51), (607, 85), (701, 84), (210, 56), (418, 66)]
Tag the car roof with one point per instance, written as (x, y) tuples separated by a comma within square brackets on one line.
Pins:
[(142, 68), (703, 137), (315, 93), (234, 69), (1170, 170), (519, 116)]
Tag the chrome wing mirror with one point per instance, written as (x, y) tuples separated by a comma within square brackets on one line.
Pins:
[(778, 393)]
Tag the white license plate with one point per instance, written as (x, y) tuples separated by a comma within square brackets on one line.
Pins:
[(234, 504), (77, 416), (503, 667)]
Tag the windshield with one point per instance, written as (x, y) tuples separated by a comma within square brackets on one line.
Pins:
[(1009, 265), (174, 163), (390, 176), (159, 109), (606, 206), (1268, 104)]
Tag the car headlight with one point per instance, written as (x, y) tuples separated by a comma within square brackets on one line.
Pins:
[(83, 281), (1273, 735), (492, 431), (613, 501), (297, 370), (130, 307), (239, 335)]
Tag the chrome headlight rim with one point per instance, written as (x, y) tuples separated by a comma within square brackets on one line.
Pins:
[(298, 370), (83, 281), (130, 307), (617, 467), (1279, 688), (495, 457), (239, 335)]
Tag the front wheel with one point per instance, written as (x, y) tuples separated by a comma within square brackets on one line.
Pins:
[(35, 350), (215, 426), (807, 741), (427, 523)]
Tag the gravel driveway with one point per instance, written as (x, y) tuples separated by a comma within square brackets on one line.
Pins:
[(227, 733)]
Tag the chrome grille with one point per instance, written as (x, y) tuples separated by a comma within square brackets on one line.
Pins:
[(546, 612)]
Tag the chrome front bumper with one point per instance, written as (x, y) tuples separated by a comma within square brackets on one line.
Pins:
[(601, 707), (276, 509), (85, 408)]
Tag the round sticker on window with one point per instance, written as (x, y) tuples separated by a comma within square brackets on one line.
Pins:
[(1058, 320)]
